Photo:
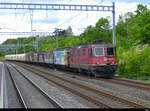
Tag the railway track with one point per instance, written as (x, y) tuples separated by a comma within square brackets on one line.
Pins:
[(22, 98), (97, 103), (129, 83), (122, 101), (135, 82), (117, 80)]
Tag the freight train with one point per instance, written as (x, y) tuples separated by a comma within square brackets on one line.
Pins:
[(94, 59)]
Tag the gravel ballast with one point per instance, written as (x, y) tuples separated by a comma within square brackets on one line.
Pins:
[(12, 94), (133, 94), (32, 96), (64, 98)]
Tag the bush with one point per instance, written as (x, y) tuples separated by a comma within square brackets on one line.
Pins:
[(135, 62)]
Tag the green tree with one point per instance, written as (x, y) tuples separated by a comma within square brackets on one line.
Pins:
[(69, 32), (103, 25), (102, 30), (140, 9)]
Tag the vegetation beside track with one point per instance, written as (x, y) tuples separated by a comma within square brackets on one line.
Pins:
[(133, 39)]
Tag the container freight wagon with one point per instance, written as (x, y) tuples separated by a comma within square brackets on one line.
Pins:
[(49, 57), (40, 57), (30, 57), (61, 58), (16, 57)]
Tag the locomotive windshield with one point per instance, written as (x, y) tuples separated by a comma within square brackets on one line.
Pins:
[(110, 51), (99, 52)]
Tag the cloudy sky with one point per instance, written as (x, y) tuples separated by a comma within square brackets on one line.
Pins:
[(20, 20)]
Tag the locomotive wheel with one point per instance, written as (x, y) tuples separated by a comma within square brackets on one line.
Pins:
[(94, 73), (89, 73)]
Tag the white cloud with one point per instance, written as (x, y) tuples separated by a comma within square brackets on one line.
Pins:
[(42, 20)]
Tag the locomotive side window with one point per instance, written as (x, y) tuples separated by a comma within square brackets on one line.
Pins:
[(99, 52), (83, 51), (78, 52), (74, 52), (110, 51)]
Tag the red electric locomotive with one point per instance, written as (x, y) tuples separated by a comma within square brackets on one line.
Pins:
[(97, 59)]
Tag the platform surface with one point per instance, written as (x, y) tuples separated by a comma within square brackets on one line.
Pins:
[(1, 85)]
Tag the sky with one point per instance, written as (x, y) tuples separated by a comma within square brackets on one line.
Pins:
[(47, 21)]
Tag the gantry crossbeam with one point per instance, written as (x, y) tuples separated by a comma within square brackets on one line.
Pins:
[(15, 46), (30, 6), (27, 33)]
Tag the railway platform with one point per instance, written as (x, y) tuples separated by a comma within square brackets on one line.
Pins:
[(3, 89), (1, 86)]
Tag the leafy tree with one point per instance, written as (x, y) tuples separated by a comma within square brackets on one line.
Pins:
[(133, 33), (103, 24), (102, 30), (59, 32), (69, 31), (66, 33), (140, 9)]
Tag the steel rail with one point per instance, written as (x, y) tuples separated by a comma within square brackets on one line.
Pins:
[(17, 89), (123, 100), (128, 83), (146, 86), (136, 82), (52, 100)]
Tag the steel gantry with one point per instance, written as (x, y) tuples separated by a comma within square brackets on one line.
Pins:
[(72, 7), (27, 33), (69, 7), (15, 46)]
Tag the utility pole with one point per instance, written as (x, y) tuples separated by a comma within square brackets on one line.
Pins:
[(16, 50), (18, 45), (31, 18), (56, 37), (57, 40), (24, 49), (114, 28), (37, 43)]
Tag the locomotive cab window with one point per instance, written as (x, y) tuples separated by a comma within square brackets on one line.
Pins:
[(99, 51), (92, 51), (74, 53), (110, 51)]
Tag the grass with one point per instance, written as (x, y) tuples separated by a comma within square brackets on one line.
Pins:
[(2, 58), (145, 79)]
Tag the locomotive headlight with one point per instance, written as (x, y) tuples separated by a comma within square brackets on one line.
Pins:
[(97, 62), (113, 62)]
